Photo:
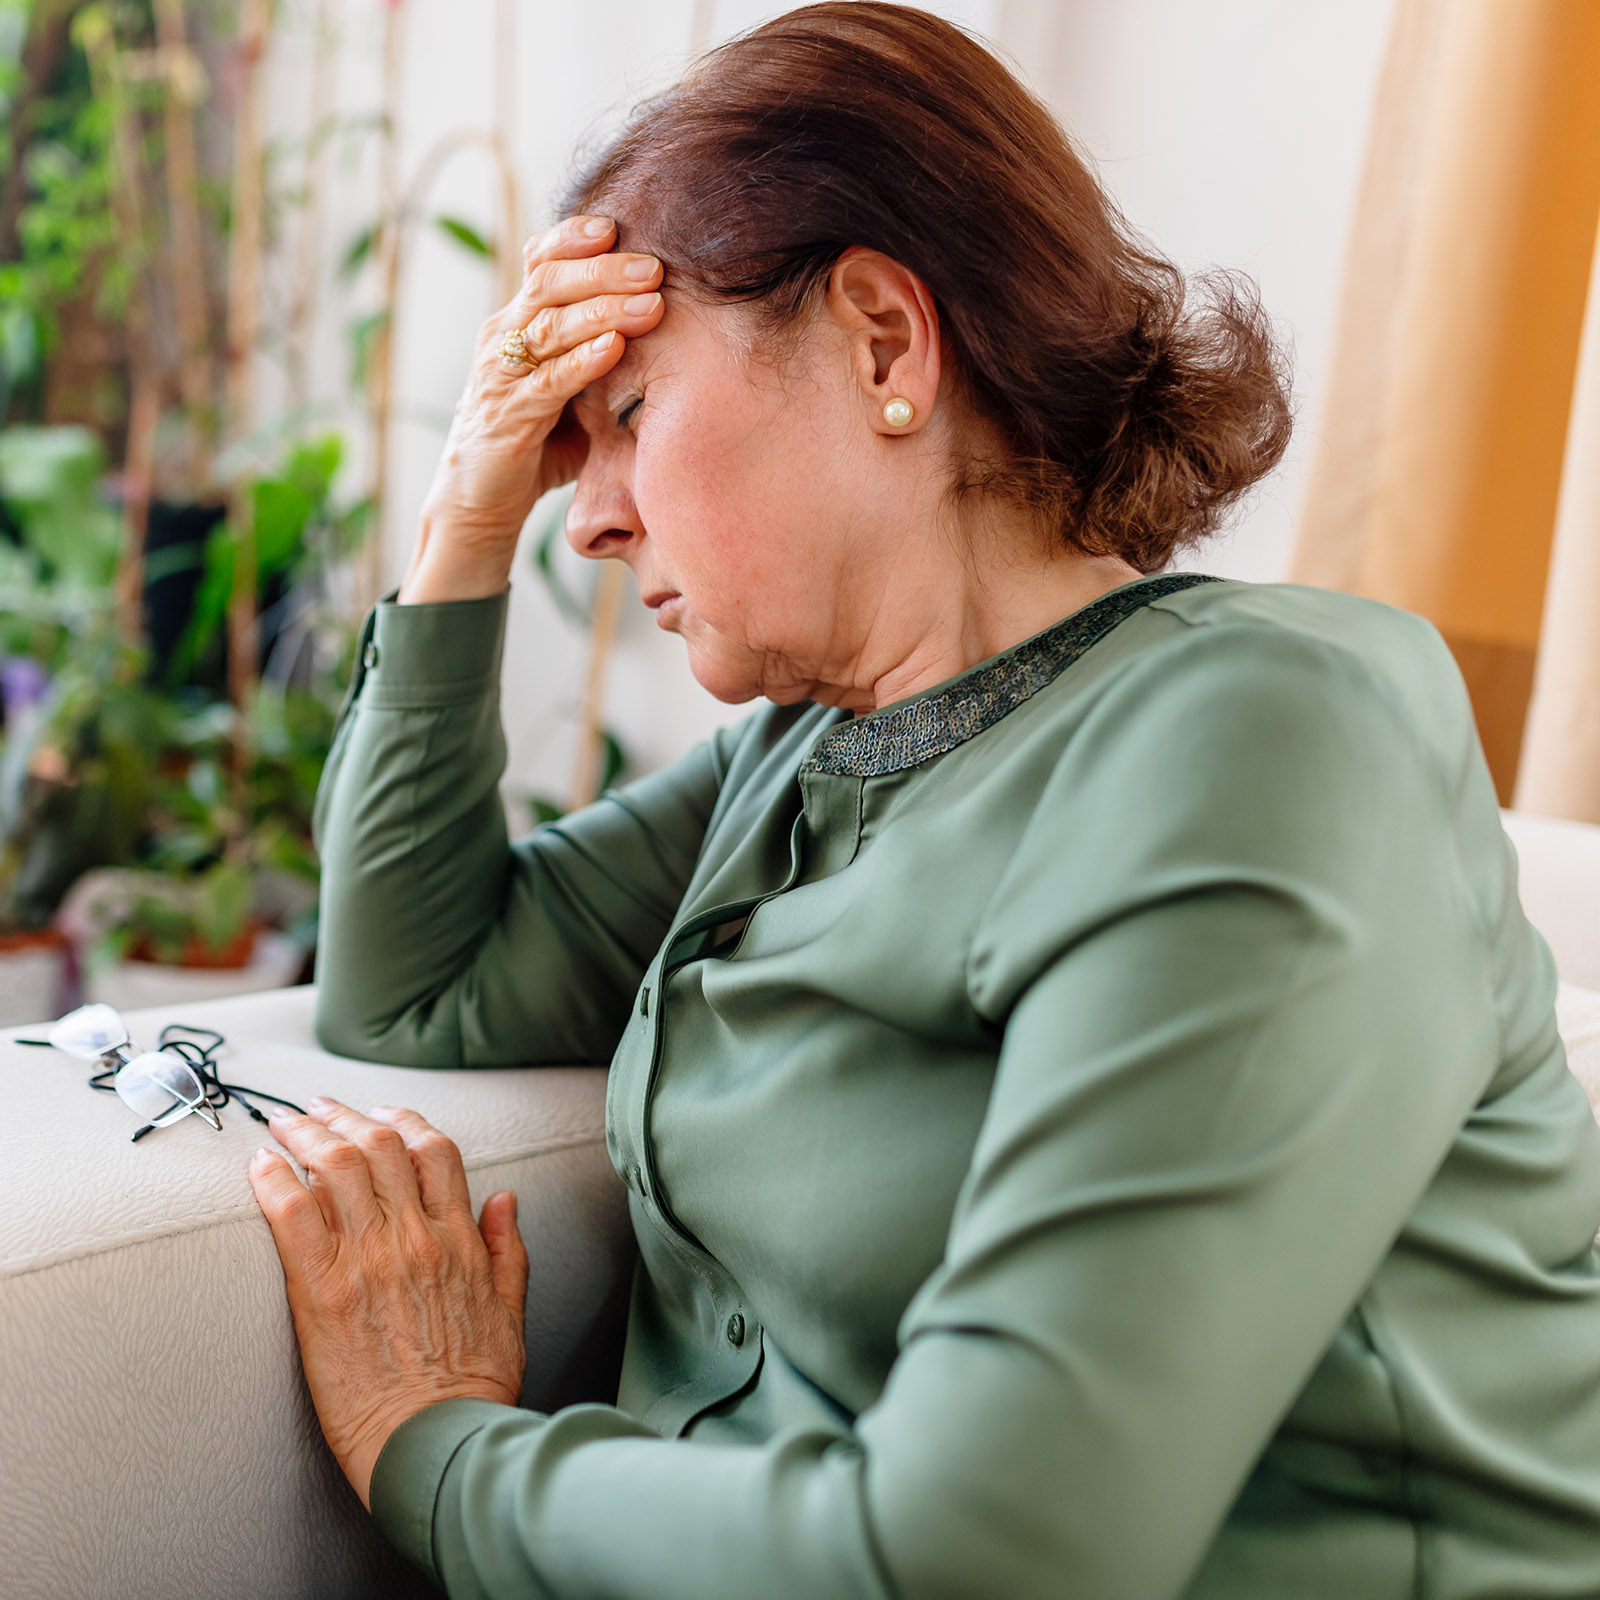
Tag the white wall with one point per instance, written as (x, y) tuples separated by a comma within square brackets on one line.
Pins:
[(1231, 130)]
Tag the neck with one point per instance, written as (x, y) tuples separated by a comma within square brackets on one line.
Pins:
[(937, 618)]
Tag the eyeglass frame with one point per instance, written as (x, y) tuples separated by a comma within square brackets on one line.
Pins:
[(196, 1059)]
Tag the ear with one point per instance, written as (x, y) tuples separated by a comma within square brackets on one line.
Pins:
[(888, 316)]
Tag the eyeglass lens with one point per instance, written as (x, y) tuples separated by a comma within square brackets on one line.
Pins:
[(90, 1033), (160, 1087)]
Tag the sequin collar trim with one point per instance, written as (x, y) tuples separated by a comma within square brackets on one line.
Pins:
[(904, 736)]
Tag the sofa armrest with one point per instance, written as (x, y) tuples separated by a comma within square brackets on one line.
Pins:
[(158, 1436)]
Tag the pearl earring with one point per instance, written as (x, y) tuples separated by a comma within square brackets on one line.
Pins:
[(898, 412)]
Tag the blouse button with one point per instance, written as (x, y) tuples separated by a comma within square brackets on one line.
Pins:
[(369, 656), (736, 1330)]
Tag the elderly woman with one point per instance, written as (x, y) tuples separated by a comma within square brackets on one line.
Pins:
[(1090, 1101)]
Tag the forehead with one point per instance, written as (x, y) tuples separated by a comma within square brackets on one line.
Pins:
[(689, 335)]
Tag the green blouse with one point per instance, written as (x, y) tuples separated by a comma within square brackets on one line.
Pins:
[(1094, 1129)]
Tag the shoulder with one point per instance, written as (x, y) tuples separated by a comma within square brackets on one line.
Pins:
[(1235, 665), (1366, 646), (1238, 739)]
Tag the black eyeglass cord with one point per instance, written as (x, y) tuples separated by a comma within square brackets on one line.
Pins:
[(198, 1047)]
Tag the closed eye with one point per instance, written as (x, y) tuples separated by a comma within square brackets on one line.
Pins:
[(626, 414)]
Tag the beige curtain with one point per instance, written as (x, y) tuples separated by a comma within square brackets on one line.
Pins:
[(1438, 461)]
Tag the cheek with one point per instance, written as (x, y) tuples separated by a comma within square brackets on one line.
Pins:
[(710, 489)]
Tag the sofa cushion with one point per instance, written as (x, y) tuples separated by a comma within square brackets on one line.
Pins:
[(158, 1434), (1578, 1017), (1558, 881)]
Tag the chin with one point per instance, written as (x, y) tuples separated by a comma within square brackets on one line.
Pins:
[(721, 682)]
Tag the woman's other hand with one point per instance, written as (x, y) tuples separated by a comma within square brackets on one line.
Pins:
[(400, 1298), (509, 442)]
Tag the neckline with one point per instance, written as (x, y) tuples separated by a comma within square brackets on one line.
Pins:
[(939, 718)]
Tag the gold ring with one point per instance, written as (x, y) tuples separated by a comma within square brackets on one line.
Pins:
[(514, 350)]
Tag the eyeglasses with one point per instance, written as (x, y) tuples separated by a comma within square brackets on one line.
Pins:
[(161, 1086)]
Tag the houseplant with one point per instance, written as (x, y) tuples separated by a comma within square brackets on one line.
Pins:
[(81, 727)]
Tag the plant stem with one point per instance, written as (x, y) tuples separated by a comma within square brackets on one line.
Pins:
[(308, 240), (182, 81), (49, 29), (380, 367), (508, 249), (244, 305), (144, 374)]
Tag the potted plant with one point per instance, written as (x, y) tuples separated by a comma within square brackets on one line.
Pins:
[(76, 771), (222, 899)]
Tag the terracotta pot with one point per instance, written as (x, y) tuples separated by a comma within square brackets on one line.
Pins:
[(274, 963), (199, 955)]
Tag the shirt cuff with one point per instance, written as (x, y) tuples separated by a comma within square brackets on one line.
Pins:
[(411, 1468), (443, 653)]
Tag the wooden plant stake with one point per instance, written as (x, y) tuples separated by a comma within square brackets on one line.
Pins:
[(244, 303)]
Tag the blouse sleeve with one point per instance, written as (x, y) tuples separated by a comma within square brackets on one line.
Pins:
[(442, 943), (1243, 1021)]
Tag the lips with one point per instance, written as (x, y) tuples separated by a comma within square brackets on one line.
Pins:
[(659, 597)]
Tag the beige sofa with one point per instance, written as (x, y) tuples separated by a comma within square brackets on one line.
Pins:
[(157, 1440)]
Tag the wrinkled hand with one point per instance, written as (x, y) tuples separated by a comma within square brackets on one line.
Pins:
[(511, 438), (399, 1297)]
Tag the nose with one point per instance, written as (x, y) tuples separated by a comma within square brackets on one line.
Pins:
[(602, 522)]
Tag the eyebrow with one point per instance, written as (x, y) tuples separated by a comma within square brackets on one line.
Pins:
[(603, 391)]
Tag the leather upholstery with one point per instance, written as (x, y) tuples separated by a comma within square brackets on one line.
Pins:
[(158, 1442)]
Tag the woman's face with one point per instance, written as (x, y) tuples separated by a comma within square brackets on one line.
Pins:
[(743, 494)]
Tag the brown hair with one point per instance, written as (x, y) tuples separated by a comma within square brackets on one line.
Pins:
[(1131, 415)]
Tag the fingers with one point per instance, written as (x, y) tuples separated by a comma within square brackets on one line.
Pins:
[(508, 1256), (336, 1171), (572, 236), (564, 282), (298, 1227), (555, 329), (394, 1179), (441, 1178)]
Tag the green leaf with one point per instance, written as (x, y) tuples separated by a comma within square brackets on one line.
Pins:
[(613, 759), (19, 342), (173, 559), (465, 235), (364, 332), (313, 464), (543, 809), (281, 510), (50, 477), (211, 599), (359, 249), (222, 904)]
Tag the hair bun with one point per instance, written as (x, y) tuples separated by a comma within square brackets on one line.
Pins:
[(1126, 417)]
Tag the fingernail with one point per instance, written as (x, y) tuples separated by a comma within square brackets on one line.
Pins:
[(602, 344), (280, 1114), (596, 226), (640, 268), (319, 1102), (263, 1154), (641, 305)]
